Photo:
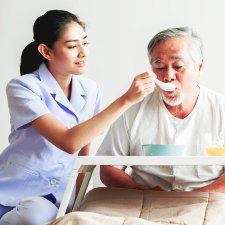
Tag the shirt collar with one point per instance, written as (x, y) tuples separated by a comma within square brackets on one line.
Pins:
[(78, 94)]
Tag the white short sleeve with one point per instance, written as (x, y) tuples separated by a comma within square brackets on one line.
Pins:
[(116, 142), (24, 101)]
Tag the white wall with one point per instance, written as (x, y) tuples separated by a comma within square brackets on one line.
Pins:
[(119, 31)]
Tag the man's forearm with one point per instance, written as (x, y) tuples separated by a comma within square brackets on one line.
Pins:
[(216, 186), (113, 177)]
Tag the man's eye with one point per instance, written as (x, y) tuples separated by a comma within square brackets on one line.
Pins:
[(160, 68), (178, 67), (72, 46), (85, 43)]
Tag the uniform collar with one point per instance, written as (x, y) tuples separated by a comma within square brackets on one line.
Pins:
[(78, 94)]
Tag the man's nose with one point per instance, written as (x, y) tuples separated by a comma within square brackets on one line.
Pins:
[(169, 75)]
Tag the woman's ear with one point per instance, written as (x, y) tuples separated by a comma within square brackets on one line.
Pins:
[(45, 51)]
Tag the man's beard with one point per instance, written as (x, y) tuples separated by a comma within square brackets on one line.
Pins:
[(173, 100)]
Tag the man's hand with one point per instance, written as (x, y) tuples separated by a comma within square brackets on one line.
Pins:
[(216, 186), (113, 177), (157, 188)]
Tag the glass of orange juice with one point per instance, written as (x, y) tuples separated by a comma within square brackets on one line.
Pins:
[(215, 151)]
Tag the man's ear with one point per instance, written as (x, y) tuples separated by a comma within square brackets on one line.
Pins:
[(45, 51), (200, 66)]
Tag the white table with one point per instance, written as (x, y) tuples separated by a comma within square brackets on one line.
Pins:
[(86, 164)]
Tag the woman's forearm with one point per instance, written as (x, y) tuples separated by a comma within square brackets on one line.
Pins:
[(88, 130), (85, 132)]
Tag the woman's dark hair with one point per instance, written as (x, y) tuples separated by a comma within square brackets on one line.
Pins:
[(47, 29)]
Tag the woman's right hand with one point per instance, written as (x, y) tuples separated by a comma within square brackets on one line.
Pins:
[(142, 85)]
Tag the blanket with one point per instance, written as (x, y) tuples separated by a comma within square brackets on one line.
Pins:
[(118, 206)]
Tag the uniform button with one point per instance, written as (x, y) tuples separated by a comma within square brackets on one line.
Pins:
[(53, 181)]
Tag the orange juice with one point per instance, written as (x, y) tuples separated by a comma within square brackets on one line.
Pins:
[(215, 151)]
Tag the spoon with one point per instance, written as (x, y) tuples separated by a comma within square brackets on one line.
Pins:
[(165, 86)]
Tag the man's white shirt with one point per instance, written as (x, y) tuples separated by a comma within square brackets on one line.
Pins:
[(149, 122)]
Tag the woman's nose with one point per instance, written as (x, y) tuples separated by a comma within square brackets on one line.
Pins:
[(82, 52)]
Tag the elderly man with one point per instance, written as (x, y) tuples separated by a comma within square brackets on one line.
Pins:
[(190, 115)]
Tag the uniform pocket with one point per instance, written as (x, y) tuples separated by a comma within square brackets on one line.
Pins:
[(20, 167), (16, 181)]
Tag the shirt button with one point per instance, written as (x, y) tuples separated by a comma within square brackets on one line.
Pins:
[(53, 181)]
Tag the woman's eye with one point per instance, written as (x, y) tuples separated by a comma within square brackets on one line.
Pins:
[(85, 43)]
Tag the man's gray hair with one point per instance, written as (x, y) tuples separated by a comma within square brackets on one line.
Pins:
[(196, 46)]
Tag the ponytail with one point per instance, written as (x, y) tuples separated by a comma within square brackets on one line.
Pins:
[(47, 29), (30, 58)]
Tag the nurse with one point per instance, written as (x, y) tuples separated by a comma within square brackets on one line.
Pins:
[(55, 113)]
